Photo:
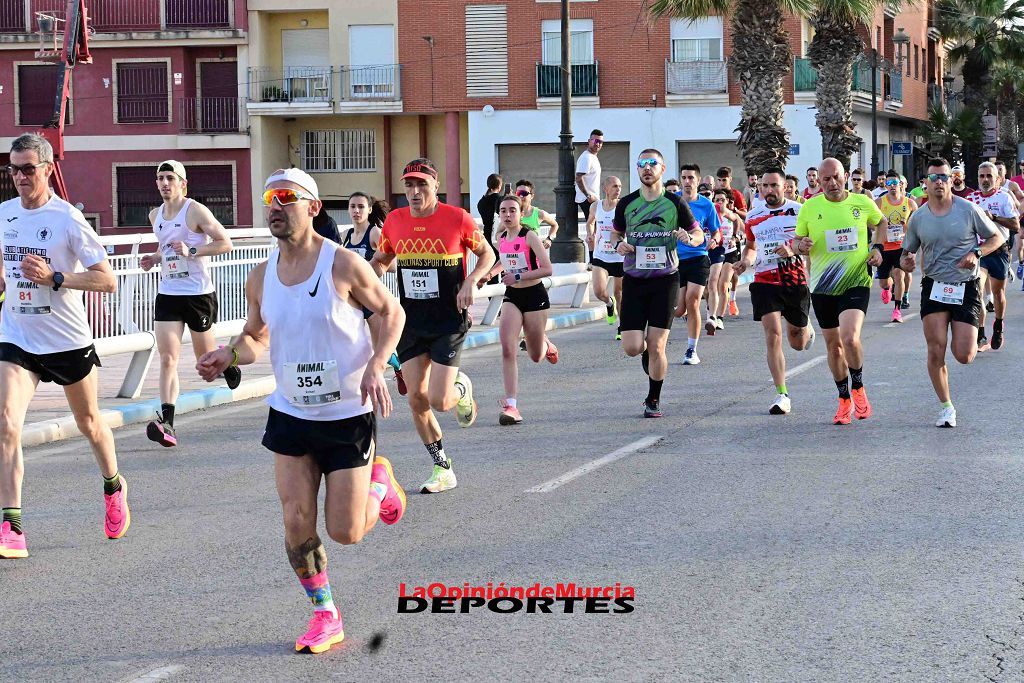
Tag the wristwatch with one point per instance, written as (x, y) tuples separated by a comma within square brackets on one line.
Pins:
[(58, 280), (192, 251), (977, 251), (518, 277)]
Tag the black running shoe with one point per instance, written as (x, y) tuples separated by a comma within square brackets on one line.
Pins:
[(233, 376), (990, 306), (997, 337), (905, 302), (652, 408)]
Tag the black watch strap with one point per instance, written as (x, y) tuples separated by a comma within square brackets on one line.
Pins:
[(58, 280)]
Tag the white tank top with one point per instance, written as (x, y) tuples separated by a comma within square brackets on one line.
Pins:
[(319, 343), (604, 243), (181, 275)]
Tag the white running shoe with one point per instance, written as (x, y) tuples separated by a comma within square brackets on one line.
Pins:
[(465, 409), (718, 323), (810, 342), (781, 405), (948, 418), (441, 479), (691, 357)]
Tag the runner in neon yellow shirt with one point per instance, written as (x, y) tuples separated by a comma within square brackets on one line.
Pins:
[(835, 229)]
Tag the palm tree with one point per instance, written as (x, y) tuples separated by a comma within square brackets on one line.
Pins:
[(1008, 85), (834, 47), (983, 32), (947, 134), (760, 60)]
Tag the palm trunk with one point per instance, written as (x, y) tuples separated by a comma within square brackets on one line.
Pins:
[(1008, 137), (833, 50), (760, 60)]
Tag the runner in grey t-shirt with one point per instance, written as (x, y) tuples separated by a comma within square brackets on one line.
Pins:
[(952, 235)]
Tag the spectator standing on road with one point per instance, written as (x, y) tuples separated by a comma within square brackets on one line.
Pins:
[(588, 173), (487, 207)]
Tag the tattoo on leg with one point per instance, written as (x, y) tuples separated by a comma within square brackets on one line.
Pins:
[(308, 558)]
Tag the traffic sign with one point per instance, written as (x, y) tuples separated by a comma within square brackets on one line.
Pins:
[(794, 150), (902, 149)]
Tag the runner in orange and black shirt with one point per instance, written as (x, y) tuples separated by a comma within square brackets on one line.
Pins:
[(430, 241)]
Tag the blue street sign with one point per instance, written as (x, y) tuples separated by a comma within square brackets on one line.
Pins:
[(902, 149), (794, 150)]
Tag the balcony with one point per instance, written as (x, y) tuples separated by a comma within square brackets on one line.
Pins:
[(209, 115), (805, 80), (583, 81), (688, 83), (893, 92), (292, 91), (935, 98), (371, 88), (123, 16)]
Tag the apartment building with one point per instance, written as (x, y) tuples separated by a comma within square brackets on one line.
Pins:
[(663, 84), (167, 80), (328, 89)]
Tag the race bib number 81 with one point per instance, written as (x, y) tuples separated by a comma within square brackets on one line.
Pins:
[(420, 284)]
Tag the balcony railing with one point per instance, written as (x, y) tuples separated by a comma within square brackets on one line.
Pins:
[(209, 115), (894, 87), (682, 78), (805, 77), (108, 16), (583, 80), (934, 95), (291, 84), (382, 83)]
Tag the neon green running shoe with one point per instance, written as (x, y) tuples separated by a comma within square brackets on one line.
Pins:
[(440, 480)]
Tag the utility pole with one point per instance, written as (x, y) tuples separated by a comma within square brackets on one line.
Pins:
[(567, 247)]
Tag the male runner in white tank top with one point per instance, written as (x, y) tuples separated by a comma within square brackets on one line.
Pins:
[(189, 234), (605, 261), (329, 383), (51, 256)]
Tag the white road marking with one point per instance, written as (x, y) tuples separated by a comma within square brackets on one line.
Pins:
[(160, 674), (803, 367), (594, 464), (908, 316)]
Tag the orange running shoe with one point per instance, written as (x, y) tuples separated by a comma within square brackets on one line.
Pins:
[(552, 353), (733, 308), (861, 405), (844, 415)]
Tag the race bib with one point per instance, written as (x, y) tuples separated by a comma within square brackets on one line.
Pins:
[(30, 298), (312, 384), (894, 233), (175, 267), (767, 250), (843, 239), (607, 245), (420, 284), (358, 250), (514, 262), (947, 292), (651, 258)]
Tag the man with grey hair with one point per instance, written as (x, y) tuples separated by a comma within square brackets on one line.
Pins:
[(51, 255), (997, 204), (330, 381)]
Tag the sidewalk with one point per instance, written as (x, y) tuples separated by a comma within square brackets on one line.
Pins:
[(49, 419)]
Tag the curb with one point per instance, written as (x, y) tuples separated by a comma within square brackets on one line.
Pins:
[(38, 433)]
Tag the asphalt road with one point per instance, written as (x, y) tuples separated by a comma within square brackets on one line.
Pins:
[(761, 548)]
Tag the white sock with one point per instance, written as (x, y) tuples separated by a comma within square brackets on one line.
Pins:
[(511, 402), (691, 343)]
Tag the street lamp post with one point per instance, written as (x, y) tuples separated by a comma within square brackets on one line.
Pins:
[(567, 247)]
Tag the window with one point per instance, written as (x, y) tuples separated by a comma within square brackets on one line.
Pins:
[(37, 90), (486, 51), (209, 184), (336, 151), (371, 58), (697, 41), (142, 92), (917, 63), (581, 41)]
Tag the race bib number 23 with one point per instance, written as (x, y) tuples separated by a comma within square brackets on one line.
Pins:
[(843, 239)]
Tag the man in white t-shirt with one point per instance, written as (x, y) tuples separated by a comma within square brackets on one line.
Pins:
[(588, 173), (51, 255), (995, 267)]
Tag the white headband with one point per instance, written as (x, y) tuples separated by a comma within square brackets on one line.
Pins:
[(297, 176)]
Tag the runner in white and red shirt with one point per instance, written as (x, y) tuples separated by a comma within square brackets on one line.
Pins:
[(779, 289), (995, 267)]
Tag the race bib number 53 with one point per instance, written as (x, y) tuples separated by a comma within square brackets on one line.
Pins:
[(651, 258), (420, 284)]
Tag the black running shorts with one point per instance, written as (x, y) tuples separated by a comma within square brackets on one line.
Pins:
[(198, 311), (793, 302), (443, 349), (63, 368), (694, 270), (613, 269), (648, 302), (827, 307), (967, 312), (890, 261), (528, 299), (333, 444)]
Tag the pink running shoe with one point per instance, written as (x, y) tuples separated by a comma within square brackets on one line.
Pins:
[(508, 415), (886, 295), (393, 506), (552, 353), (324, 631), (897, 316), (12, 544), (161, 432), (118, 517)]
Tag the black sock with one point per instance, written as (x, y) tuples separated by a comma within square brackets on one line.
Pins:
[(843, 385), (13, 515), (897, 302), (645, 360), (857, 378), (654, 389), (436, 451), (113, 484), (168, 411), (997, 325)]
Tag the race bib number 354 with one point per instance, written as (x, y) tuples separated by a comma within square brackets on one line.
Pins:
[(312, 384)]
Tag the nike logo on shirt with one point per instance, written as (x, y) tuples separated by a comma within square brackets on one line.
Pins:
[(12, 219), (316, 286)]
